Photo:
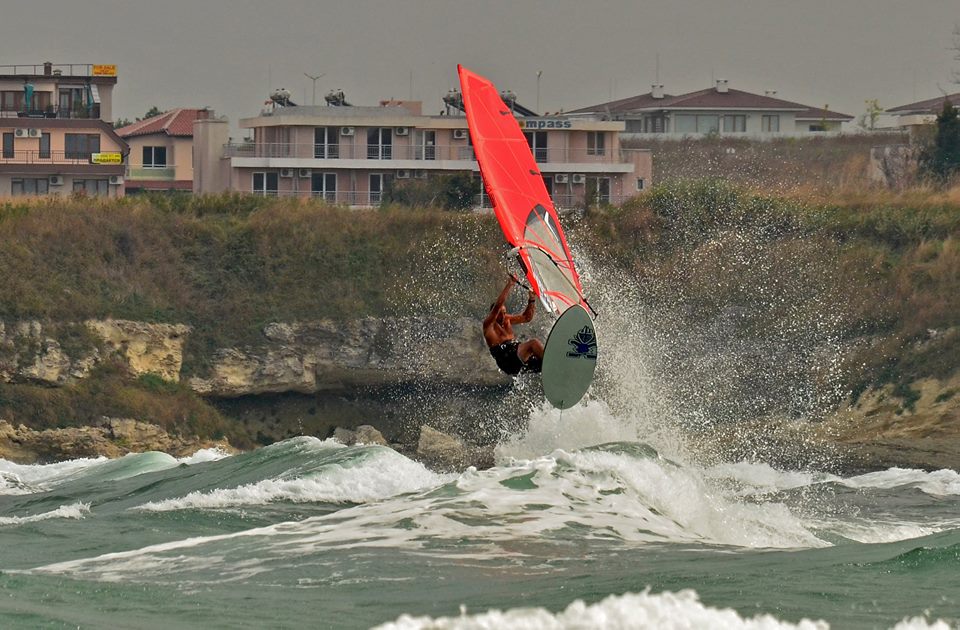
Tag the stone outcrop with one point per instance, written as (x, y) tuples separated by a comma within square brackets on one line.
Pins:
[(311, 357), (114, 437), (446, 452), (146, 348), (31, 353)]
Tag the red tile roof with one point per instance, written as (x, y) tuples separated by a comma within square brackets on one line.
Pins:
[(929, 106), (176, 122)]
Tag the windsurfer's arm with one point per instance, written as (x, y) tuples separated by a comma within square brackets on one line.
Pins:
[(528, 312), (501, 299)]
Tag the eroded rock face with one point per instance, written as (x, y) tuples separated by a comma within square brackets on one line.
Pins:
[(310, 357), (30, 353), (146, 348), (446, 452), (114, 437)]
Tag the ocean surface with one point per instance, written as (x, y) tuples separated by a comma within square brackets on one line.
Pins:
[(582, 524)]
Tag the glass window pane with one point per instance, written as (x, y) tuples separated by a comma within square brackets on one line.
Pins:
[(45, 145), (258, 182), (685, 123), (708, 124)]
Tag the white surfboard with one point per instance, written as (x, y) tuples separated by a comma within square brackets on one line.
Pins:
[(569, 358)]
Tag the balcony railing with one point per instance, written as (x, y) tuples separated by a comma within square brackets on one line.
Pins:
[(56, 69), (44, 157), (364, 151), (151, 172), (373, 199), (51, 111)]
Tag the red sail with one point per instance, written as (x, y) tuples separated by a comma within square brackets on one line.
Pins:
[(520, 199)]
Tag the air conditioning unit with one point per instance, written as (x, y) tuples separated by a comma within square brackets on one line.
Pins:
[(56, 180), (304, 172), (34, 133), (561, 178), (20, 133), (346, 131), (116, 180), (286, 172), (403, 131), (420, 174), (578, 178), (459, 134), (403, 174)]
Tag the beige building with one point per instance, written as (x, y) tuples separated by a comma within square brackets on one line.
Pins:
[(353, 154), (915, 116), (161, 150), (55, 131)]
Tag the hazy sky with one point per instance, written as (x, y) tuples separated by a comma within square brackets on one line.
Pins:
[(227, 54)]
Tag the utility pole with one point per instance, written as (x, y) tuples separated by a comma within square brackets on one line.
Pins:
[(314, 79), (539, 72)]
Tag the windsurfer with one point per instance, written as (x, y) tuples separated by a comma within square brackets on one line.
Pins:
[(512, 356)]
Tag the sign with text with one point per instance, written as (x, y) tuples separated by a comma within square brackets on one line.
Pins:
[(545, 123), (105, 70), (106, 158)]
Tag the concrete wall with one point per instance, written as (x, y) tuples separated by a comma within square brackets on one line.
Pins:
[(211, 172)]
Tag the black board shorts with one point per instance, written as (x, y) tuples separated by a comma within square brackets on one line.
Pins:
[(509, 361)]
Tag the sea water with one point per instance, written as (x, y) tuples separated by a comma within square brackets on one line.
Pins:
[(581, 524)]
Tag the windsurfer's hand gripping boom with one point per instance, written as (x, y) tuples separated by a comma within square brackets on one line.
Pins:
[(512, 356)]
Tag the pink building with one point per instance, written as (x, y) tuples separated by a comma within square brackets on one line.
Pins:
[(352, 154), (55, 131), (161, 150)]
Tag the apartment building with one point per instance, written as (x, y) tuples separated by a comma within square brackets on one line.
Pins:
[(56, 138), (352, 154), (161, 150), (719, 110)]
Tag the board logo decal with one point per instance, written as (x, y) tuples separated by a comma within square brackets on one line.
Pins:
[(584, 344)]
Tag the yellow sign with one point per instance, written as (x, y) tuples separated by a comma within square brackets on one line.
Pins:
[(106, 158), (105, 70)]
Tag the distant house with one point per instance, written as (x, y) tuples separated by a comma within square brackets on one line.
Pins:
[(56, 138), (718, 110), (914, 116), (161, 150)]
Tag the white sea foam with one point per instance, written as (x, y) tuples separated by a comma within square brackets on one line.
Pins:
[(681, 610), (26, 479), (759, 479), (204, 455), (939, 482), (75, 511), (384, 475)]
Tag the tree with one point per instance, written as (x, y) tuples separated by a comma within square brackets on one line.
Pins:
[(121, 122), (940, 159), (153, 111), (868, 119)]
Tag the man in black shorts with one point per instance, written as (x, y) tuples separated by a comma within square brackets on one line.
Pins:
[(511, 355)]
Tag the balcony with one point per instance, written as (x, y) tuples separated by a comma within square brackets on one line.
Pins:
[(45, 157), (152, 173), (381, 152), (480, 202), (55, 69), (79, 113)]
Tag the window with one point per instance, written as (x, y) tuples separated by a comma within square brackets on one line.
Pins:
[(154, 157), (266, 184), (379, 182), (324, 185), (326, 143), (30, 186), (537, 141), (8, 145), (640, 183), (595, 143), (770, 123), (92, 187), (818, 127), (11, 101), (701, 123), (427, 145), (598, 190), (45, 146), (734, 123), (379, 143), (79, 146)]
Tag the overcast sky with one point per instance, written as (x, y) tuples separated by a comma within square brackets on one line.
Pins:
[(227, 54)]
